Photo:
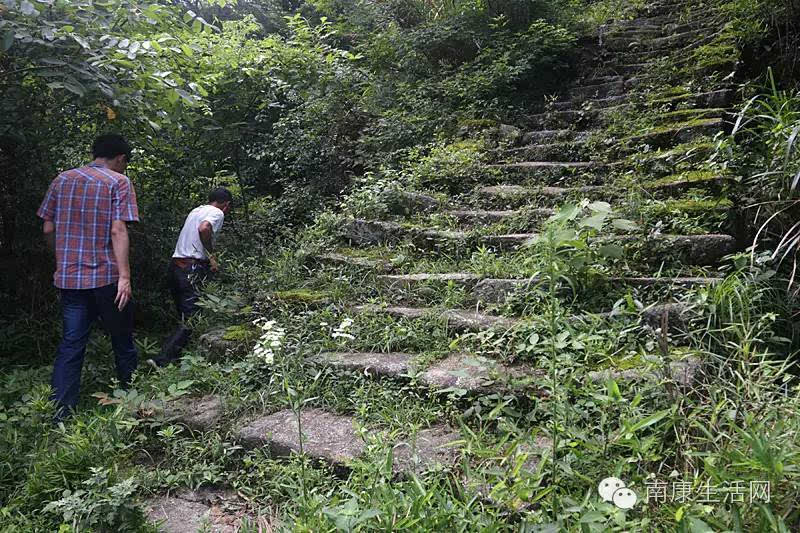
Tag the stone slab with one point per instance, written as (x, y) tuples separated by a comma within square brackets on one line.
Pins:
[(409, 281), (356, 262), (457, 318), (683, 372), (370, 232), (371, 363), (200, 414), (215, 344), (326, 436), (436, 448), (208, 510), (465, 371)]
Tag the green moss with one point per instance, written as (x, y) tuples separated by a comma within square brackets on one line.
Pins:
[(674, 126), (698, 176), (477, 124), (690, 114), (306, 296), (239, 333), (694, 207)]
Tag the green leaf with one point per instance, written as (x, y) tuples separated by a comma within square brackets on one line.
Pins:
[(187, 51), (602, 207), (648, 421), (8, 40), (624, 225), (566, 212), (612, 251), (595, 221)]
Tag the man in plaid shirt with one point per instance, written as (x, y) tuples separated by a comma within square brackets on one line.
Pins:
[(85, 213)]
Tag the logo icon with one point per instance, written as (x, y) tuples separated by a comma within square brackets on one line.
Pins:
[(613, 489)]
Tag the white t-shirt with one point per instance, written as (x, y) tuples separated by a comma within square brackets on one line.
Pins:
[(189, 243)]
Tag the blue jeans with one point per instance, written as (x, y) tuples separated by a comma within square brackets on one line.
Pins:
[(80, 308)]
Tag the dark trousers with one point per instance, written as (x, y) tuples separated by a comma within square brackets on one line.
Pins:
[(79, 309), (184, 285)]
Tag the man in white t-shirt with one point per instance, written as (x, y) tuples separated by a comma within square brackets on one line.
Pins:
[(191, 264)]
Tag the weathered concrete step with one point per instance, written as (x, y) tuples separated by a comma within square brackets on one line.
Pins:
[(460, 371), (458, 319), (213, 510), (664, 136), (377, 265), (684, 372)]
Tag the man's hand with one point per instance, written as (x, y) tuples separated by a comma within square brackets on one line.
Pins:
[(214, 264), (123, 293)]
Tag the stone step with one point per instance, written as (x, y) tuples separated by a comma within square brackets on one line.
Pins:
[(599, 90), (573, 151), (684, 372), (461, 371), (714, 184), (510, 193), (578, 119), (457, 319), (658, 43), (721, 98), (366, 263), (206, 509), (411, 281), (549, 136), (701, 250), (480, 216), (664, 136), (334, 439), (327, 437), (594, 103), (637, 29), (497, 290)]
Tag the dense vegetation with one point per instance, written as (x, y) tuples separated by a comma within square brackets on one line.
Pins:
[(318, 112)]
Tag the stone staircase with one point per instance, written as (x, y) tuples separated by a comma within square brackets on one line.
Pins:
[(552, 161)]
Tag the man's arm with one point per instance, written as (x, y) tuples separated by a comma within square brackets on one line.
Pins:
[(206, 231), (121, 246), (49, 230)]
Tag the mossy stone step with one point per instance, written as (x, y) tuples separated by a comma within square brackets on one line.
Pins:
[(684, 372), (469, 320), (498, 290), (666, 42), (189, 511), (505, 193), (377, 265), (200, 414), (434, 448), (409, 281), (327, 437), (720, 98), (591, 103), (549, 136), (569, 151), (701, 250), (603, 89), (665, 136), (458, 319), (460, 371), (482, 216)]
